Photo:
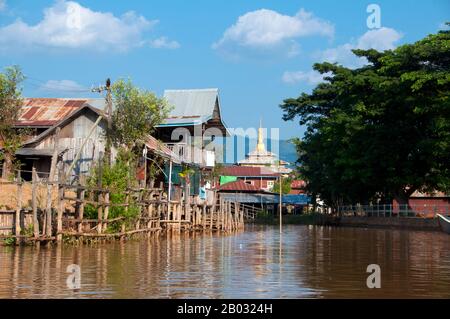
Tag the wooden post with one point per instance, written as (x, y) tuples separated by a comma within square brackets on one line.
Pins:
[(138, 222), (100, 194), (106, 207), (179, 217), (150, 209), (19, 204), (194, 216), (204, 216), (213, 209), (60, 208), (187, 199), (212, 219), (51, 181), (100, 211), (34, 181), (80, 205), (48, 209)]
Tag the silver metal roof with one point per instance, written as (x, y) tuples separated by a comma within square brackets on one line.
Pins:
[(199, 102)]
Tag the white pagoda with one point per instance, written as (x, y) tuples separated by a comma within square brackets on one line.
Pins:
[(260, 157)]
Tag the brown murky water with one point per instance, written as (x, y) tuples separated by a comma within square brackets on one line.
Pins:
[(309, 262)]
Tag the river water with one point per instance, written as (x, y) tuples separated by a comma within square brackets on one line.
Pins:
[(305, 262)]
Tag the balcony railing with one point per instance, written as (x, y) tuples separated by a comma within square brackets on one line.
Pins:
[(193, 155)]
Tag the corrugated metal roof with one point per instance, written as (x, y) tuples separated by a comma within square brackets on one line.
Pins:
[(243, 171), (266, 198), (190, 107), (297, 183), (47, 111), (199, 102), (239, 186), (62, 122), (158, 147)]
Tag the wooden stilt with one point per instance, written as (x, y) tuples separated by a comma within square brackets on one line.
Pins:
[(60, 208), (80, 204), (18, 218), (34, 185)]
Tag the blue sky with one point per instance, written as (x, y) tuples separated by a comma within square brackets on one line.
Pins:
[(256, 52)]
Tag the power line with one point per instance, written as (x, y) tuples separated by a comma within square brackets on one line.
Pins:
[(41, 84)]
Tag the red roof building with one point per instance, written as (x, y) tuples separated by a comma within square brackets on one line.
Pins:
[(239, 186), (297, 187), (260, 177), (248, 171)]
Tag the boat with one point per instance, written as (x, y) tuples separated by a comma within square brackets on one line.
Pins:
[(444, 222)]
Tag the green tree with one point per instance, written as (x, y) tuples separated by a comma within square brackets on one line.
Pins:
[(381, 131), (10, 105), (116, 178), (136, 112), (286, 186)]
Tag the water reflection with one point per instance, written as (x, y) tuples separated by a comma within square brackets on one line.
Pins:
[(305, 262)]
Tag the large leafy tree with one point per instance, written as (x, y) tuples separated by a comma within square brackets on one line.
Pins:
[(379, 131), (10, 105), (136, 113)]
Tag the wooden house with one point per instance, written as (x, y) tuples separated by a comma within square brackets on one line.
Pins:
[(193, 123), (75, 119)]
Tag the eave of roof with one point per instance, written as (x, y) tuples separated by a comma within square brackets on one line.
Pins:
[(159, 148)]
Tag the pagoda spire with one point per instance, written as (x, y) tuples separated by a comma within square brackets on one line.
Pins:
[(260, 147)]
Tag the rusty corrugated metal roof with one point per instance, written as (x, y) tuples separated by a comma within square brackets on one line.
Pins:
[(160, 148), (239, 186), (297, 183), (243, 171), (46, 112)]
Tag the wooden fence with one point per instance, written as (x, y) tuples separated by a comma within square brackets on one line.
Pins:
[(422, 211), (57, 210)]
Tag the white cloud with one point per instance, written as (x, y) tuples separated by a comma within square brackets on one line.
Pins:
[(62, 86), (2, 5), (443, 26), (68, 25), (266, 29), (164, 43), (379, 39), (312, 77)]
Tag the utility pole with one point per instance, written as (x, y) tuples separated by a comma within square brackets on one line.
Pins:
[(108, 111), (281, 202), (109, 119)]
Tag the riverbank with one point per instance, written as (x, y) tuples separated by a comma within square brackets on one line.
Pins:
[(412, 223), (304, 219)]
